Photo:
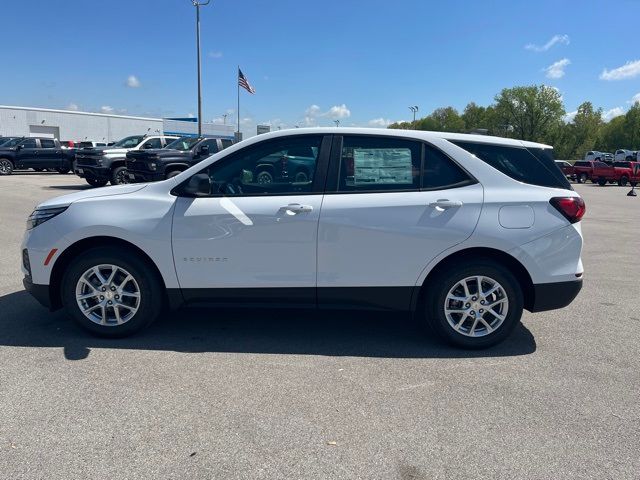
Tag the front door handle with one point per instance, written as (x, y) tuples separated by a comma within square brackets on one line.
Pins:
[(295, 208), (444, 203)]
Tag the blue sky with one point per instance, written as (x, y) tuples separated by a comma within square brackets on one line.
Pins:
[(362, 62)]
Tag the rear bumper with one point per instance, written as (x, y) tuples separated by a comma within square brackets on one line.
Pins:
[(39, 292), (551, 296)]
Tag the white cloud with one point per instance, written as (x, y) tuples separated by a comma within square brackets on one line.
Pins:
[(215, 54), (106, 109), (562, 39), (380, 122), (338, 112), (613, 113), (635, 99), (556, 69), (628, 70), (568, 118), (133, 82), (73, 106)]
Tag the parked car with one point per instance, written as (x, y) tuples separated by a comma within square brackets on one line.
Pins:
[(583, 170), (68, 144), (36, 153), (599, 157), (159, 164), (567, 169), (462, 230), (622, 155), (621, 173), (100, 165), (88, 144)]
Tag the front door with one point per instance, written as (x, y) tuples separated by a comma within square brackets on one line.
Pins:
[(28, 155), (49, 156), (397, 204), (254, 237)]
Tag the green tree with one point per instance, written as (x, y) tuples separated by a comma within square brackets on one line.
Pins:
[(529, 113)]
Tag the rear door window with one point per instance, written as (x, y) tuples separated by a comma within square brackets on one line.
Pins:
[(534, 166), (45, 143), (379, 164), (441, 172)]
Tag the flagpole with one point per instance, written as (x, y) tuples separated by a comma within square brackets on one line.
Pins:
[(238, 82)]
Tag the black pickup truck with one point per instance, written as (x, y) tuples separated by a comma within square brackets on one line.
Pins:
[(163, 163), (35, 153)]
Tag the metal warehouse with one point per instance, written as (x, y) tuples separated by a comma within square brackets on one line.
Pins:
[(98, 127)]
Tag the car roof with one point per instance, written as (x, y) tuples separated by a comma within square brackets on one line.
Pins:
[(421, 134)]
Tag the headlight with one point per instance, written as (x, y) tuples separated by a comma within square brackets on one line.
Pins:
[(152, 166), (41, 215)]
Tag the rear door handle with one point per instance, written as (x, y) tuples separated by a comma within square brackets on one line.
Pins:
[(296, 208), (444, 203)]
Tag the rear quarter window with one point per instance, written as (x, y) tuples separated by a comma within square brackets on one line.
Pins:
[(534, 166)]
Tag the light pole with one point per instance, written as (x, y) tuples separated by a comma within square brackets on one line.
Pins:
[(224, 118), (198, 4), (337, 122), (414, 109)]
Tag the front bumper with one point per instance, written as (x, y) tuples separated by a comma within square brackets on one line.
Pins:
[(138, 176), (100, 173), (551, 296), (39, 292)]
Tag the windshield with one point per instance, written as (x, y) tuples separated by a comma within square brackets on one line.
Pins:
[(13, 142), (183, 144), (129, 142)]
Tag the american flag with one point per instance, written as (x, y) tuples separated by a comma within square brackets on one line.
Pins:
[(244, 83)]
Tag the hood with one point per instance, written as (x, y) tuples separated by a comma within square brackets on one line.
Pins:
[(157, 152), (66, 200)]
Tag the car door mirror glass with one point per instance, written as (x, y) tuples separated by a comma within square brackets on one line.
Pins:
[(204, 150), (198, 185)]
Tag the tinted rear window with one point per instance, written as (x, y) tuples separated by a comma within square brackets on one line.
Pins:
[(534, 166), (581, 164), (622, 164)]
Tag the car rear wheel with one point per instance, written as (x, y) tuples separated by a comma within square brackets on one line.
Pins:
[(62, 171), (94, 182), (119, 176), (111, 292), (6, 167), (582, 178), (602, 182), (173, 173), (623, 181), (474, 304)]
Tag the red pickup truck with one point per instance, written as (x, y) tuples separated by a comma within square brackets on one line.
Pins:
[(620, 172)]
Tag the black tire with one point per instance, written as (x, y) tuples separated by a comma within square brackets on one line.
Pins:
[(119, 176), (6, 166), (151, 299), (173, 173), (634, 184), (264, 177), (94, 182), (38, 169), (629, 159), (62, 171), (583, 178), (623, 181), (438, 289), (602, 182)]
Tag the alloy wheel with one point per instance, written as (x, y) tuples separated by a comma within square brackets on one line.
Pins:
[(476, 306), (5, 167), (108, 295)]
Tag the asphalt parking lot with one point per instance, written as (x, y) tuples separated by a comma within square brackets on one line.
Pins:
[(290, 394)]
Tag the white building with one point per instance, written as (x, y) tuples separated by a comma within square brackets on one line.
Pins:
[(97, 127)]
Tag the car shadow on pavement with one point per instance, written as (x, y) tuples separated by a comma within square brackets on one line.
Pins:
[(24, 323), (69, 187)]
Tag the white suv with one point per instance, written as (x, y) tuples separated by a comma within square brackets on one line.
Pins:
[(463, 230)]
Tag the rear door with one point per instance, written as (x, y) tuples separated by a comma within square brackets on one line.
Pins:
[(392, 205), (49, 155)]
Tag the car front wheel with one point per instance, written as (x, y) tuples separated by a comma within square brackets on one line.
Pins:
[(119, 176), (111, 292), (582, 178), (475, 304)]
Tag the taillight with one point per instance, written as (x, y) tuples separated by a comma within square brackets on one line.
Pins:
[(572, 208), (284, 163)]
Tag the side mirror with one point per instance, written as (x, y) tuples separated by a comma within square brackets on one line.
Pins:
[(148, 146), (204, 150), (198, 185), (18, 147)]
